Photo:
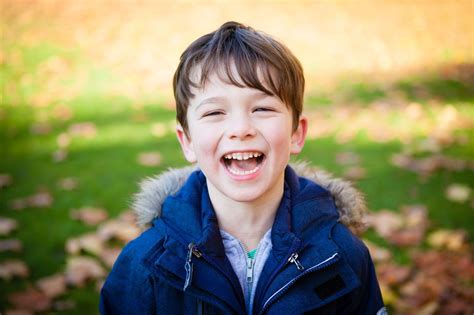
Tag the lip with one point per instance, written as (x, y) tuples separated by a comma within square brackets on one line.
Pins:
[(245, 177)]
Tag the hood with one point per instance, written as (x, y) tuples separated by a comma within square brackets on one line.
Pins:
[(153, 191)]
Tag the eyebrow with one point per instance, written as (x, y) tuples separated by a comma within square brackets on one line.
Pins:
[(217, 99)]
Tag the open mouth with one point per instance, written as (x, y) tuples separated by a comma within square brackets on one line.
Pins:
[(243, 163)]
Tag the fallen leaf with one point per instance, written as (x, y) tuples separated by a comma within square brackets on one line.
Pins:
[(18, 312), (391, 274), (13, 268), (347, 158), (63, 140), (62, 112), (5, 180), (159, 130), (52, 286), (149, 159), (355, 173), (30, 300), (42, 199), (89, 242), (13, 245), (68, 183), (385, 222), (41, 128), (458, 193), (59, 155), (128, 216), (84, 129), (123, 231), (455, 240), (89, 215), (7, 225), (378, 253), (80, 269), (19, 203), (109, 255)]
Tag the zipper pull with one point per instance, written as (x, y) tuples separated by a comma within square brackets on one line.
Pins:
[(294, 259), (188, 266), (250, 264)]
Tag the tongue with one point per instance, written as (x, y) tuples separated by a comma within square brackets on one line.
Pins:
[(244, 165)]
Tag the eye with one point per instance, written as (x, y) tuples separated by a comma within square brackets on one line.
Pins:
[(264, 109), (212, 113)]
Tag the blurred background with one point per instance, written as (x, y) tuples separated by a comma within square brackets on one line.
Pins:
[(87, 112)]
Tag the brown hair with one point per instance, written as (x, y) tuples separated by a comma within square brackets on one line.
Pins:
[(253, 53)]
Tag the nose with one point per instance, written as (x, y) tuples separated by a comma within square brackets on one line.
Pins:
[(241, 127)]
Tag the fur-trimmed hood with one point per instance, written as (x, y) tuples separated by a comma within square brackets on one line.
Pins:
[(153, 191)]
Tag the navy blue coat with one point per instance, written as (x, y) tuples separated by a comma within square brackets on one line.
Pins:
[(183, 248)]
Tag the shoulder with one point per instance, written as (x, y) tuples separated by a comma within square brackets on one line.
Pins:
[(352, 248), (130, 280)]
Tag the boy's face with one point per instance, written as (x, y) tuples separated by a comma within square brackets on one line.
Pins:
[(241, 139)]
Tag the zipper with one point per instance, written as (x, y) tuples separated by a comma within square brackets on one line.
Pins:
[(194, 251), (188, 266), (250, 265), (282, 290), (294, 259)]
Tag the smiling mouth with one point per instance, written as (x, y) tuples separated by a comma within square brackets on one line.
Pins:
[(243, 163)]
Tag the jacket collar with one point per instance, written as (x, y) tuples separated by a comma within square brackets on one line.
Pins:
[(190, 222)]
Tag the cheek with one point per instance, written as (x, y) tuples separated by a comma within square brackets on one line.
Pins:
[(205, 141)]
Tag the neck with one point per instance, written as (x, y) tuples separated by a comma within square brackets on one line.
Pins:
[(248, 221)]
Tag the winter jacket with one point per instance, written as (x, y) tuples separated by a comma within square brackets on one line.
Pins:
[(178, 265)]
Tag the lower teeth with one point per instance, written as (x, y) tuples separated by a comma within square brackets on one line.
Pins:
[(236, 172)]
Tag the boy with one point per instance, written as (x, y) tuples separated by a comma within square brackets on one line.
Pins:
[(243, 233)]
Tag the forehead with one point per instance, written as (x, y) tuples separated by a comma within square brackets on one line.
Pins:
[(262, 77)]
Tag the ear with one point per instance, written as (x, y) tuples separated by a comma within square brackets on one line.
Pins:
[(186, 144), (299, 136)]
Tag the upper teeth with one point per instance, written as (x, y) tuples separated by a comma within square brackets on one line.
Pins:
[(242, 155)]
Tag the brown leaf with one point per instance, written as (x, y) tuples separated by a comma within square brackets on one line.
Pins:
[(7, 225), (89, 242), (84, 129), (159, 130), (63, 140), (378, 253), (128, 216), (385, 222), (42, 199), (391, 274), (80, 269), (41, 128), (59, 155), (19, 203), (18, 312), (458, 193), (30, 300), (68, 183), (52, 286), (90, 215), (355, 173), (14, 245), (13, 268), (63, 112), (123, 231), (149, 158), (109, 255), (347, 158), (5, 180), (455, 240)]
